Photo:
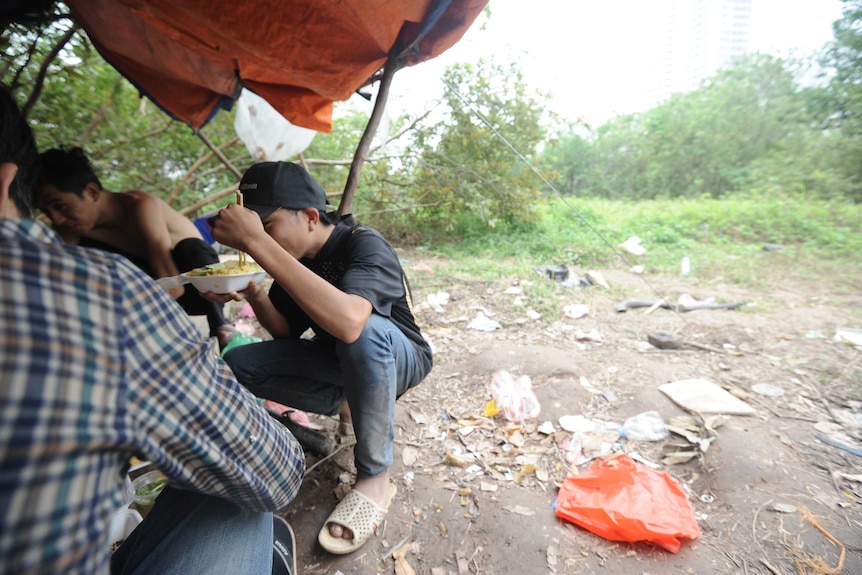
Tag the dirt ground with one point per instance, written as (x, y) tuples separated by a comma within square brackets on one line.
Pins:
[(475, 493)]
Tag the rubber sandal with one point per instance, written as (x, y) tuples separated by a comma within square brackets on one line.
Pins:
[(360, 515), (283, 547)]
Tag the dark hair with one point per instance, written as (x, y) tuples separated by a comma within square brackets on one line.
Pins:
[(328, 218), (18, 147), (67, 169)]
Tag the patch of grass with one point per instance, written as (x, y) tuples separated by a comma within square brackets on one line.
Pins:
[(724, 237)]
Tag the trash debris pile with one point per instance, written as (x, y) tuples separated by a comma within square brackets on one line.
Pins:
[(499, 436)]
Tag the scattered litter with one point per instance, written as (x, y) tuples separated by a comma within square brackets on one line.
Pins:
[(513, 290), (641, 459), (703, 396), (647, 426), (664, 340), (514, 398), (575, 423), (700, 434), (558, 273), (697, 433), (564, 275), (454, 460), (576, 310), (483, 323), (409, 456), (532, 314), (852, 337), (685, 266), (423, 267), (585, 383), (783, 508), (767, 389), (839, 445), (547, 428), (597, 279), (638, 269), (633, 246), (678, 453), (582, 447), (685, 303), (489, 487), (437, 300), (525, 470), (620, 500), (847, 476), (590, 438), (591, 336)]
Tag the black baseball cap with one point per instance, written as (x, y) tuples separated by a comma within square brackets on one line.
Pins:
[(268, 186)]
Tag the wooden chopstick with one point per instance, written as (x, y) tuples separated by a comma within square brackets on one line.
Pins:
[(241, 253)]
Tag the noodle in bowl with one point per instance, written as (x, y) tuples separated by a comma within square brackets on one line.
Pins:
[(225, 277)]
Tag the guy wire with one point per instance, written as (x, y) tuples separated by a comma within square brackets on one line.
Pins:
[(538, 174)]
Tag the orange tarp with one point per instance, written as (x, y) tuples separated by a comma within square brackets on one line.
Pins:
[(193, 56)]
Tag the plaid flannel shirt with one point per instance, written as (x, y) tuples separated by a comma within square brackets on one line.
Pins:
[(97, 363)]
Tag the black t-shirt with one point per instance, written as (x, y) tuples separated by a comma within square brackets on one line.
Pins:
[(358, 260)]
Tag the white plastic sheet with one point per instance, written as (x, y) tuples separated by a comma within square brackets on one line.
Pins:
[(266, 133)]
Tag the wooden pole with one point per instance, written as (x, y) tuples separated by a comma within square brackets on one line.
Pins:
[(393, 64)]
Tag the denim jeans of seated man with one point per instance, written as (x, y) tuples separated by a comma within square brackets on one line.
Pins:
[(307, 374)]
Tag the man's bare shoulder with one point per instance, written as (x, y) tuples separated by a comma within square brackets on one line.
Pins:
[(179, 226), (137, 198)]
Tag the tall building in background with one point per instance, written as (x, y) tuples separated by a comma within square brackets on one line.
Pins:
[(683, 43)]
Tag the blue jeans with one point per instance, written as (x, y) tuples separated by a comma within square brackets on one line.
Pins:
[(308, 374), (189, 532)]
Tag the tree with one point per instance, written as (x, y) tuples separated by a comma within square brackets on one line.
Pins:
[(463, 166), (843, 101), (748, 128), (74, 98)]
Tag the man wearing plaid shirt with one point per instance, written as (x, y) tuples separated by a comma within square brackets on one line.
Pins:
[(97, 363)]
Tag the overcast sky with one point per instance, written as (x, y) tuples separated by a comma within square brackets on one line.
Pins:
[(577, 50)]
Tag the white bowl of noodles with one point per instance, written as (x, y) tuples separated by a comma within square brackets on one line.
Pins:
[(225, 277)]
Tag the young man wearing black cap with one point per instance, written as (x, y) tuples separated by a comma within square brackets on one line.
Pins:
[(345, 282)]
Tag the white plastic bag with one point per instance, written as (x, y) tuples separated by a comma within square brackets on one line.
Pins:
[(647, 426), (265, 132), (514, 398)]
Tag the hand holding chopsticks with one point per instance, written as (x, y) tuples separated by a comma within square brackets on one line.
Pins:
[(235, 226)]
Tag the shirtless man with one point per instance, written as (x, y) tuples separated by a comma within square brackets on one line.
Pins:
[(140, 226)]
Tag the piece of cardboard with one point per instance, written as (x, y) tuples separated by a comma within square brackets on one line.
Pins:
[(703, 396)]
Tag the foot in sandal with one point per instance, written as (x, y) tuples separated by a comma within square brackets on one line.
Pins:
[(357, 517)]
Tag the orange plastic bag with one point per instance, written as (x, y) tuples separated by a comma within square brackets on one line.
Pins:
[(620, 500)]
